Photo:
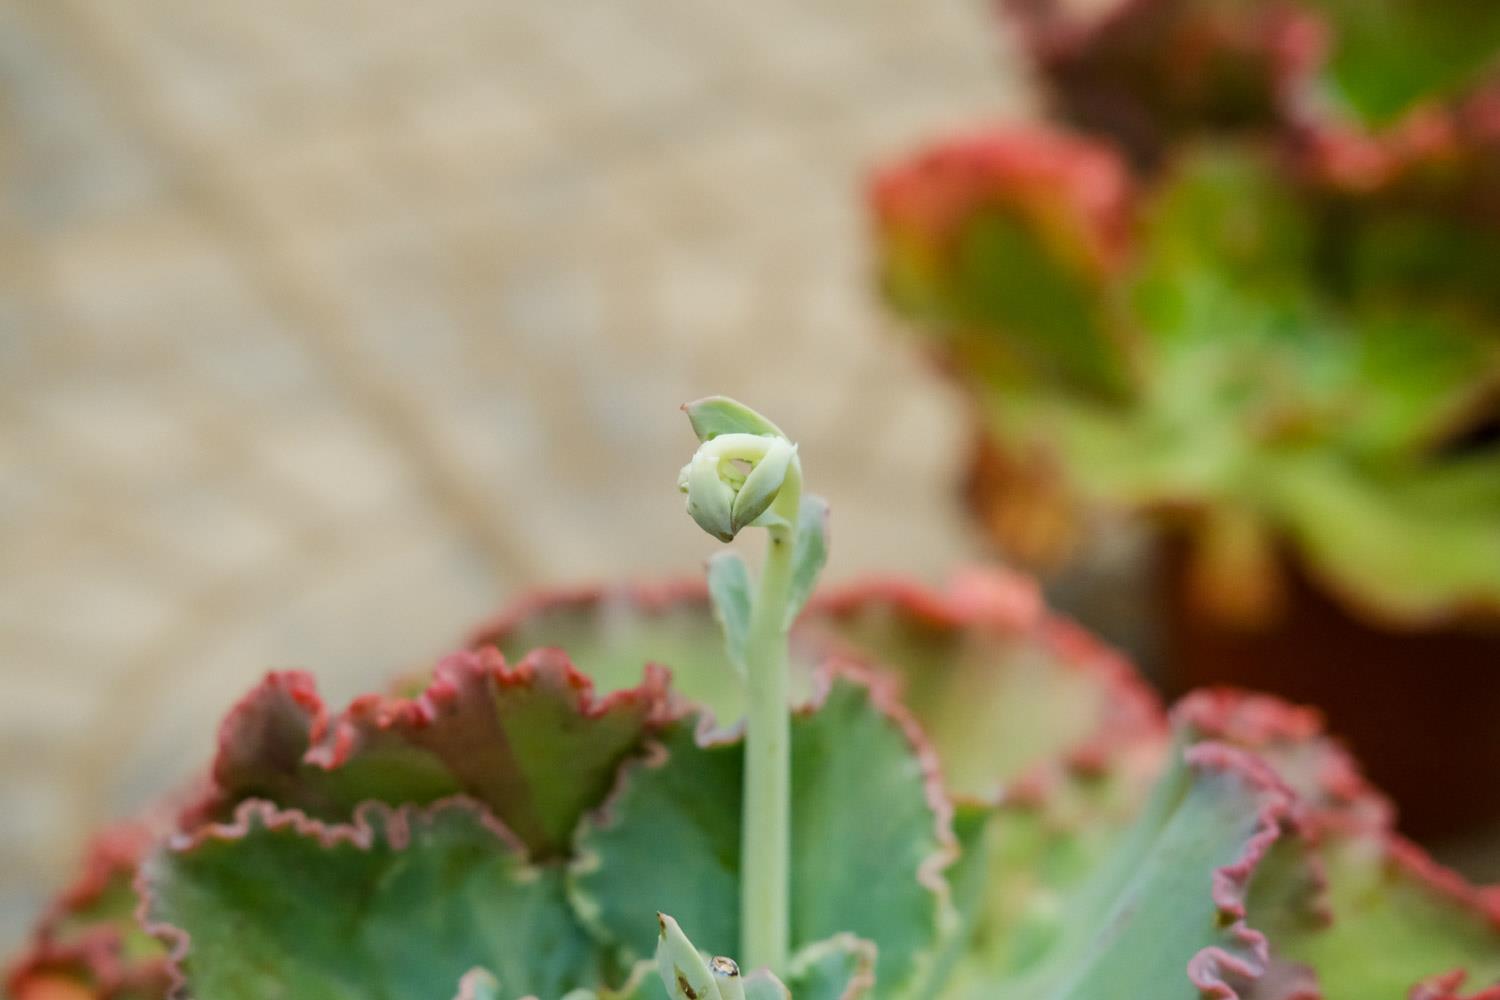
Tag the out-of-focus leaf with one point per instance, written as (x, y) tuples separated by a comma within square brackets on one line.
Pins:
[(1410, 548), (1010, 235), (729, 590), (841, 968), (1156, 909), (612, 634), (1384, 915), (811, 554), (1387, 56), (998, 684)]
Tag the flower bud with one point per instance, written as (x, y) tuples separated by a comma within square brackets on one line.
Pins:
[(762, 484), (709, 498)]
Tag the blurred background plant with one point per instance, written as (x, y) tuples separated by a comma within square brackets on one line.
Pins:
[(1246, 290)]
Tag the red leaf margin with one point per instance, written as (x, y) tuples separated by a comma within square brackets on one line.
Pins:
[(1343, 804), (395, 823)]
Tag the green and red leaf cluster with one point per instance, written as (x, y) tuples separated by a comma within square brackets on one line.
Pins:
[(1255, 291), (985, 803)]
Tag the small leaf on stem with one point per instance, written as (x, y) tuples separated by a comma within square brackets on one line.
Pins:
[(729, 589), (811, 553), (682, 968), (715, 415)]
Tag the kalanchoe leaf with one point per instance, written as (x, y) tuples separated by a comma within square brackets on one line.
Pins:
[(1067, 886), (674, 825), (999, 685), (612, 633), (762, 985), (1388, 57), (531, 742), (1302, 350), (388, 906), (840, 968), (1162, 914), (729, 590), (683, 970), (1012, 232), (812, 553), (88, 945), (713, 416), (1390, 916), (1149, 73)]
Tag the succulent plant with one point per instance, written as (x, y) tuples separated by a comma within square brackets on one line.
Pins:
[(975, 799), (1255, 294)]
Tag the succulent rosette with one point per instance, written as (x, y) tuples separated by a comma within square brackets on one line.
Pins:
[(1253, 295), (1152, 73), (981, 801)]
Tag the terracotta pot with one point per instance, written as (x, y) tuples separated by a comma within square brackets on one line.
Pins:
[(1421, 709)]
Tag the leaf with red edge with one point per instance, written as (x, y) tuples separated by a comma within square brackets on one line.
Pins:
[(1149, 73), (997, 683), (1390, 916), (613, 633), (870, 837), (531, 742), (1011, 234), (89, 946), (395, 905), (1157, 911)]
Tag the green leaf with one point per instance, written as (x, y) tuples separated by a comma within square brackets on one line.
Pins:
[(761, 985), (531, 742), (1154, 910), (1397, 919), (612, 634), (684, 972), (840, 968), (998, 685), (810, 555), (1003, 243), (1390, 55), (671, 840), (277, 905), (974, 827), (1412, 547), (1382, 916), (729, 589), (715, 415)]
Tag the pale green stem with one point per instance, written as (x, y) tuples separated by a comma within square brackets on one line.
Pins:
[(765, 866)]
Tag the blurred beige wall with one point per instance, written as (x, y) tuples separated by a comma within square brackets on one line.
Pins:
[(325, 326)]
